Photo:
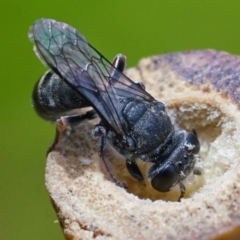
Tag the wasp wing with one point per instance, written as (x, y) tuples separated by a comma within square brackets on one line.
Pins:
[(67, 52)]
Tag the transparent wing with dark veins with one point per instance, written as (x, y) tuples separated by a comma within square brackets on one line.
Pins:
[(67, 52)]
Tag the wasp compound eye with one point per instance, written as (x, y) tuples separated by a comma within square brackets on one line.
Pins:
[(165, 179), (192, 144)]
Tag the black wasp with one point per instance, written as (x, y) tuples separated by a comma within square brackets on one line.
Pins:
[(134, 123)]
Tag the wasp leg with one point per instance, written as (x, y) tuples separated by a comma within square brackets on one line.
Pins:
[(101, 131), (119, 62), (59, 128), (74, 120), (182, 190), (197, 172), (66, 122), (141, 85), (134, 170)]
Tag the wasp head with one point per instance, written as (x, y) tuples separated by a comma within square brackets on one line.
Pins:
[(175, 166)]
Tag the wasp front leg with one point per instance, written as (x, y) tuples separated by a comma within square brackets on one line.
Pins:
[(134, 170)]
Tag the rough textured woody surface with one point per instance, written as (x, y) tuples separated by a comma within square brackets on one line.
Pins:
[(201, 90)]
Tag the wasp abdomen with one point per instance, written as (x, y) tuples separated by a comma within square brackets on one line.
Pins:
[(52, 97)]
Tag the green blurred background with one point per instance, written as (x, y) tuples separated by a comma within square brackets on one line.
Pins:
[(135, 28)]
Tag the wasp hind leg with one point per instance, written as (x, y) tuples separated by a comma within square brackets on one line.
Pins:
[(119, 63), (68, 122)]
